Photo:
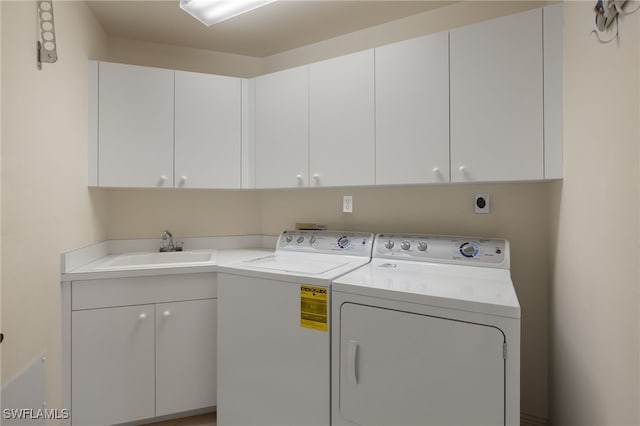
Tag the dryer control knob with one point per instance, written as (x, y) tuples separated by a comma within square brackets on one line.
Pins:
[(389, 244), (422, 246), (313, 239), (468, 249), (300, 239), (406, 245), (289, 238)]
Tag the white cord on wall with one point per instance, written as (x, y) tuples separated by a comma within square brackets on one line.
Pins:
[(610, 9)]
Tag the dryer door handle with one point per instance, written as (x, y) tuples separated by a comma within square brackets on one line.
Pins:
[(352, 359)]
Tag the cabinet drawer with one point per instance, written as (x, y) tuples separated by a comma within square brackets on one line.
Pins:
[(104, 293)]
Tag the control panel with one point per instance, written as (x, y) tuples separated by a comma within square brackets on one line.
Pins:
[(330, 242), (443, 249)]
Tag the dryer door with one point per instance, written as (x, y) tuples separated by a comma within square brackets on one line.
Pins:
[(399, 368)]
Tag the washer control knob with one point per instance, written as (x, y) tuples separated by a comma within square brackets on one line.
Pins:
[(389, 244), (289, 238), (422, 246), (300, 239), (344, 241), (313, 239), (468, 249), (406, 245)]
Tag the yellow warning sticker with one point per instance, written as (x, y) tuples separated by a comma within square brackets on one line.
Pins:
[(313, 307)]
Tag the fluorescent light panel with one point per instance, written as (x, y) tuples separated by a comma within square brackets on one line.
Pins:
[(211, 12)]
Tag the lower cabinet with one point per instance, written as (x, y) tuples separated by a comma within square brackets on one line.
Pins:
[(185, 355), (113, 373), (130, 363)]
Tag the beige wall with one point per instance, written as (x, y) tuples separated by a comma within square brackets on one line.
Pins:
[(46, 206), (429, 22), (181, 58), (595, 354), (146, 213)]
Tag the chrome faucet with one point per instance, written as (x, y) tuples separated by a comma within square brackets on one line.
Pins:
[(169, 245)]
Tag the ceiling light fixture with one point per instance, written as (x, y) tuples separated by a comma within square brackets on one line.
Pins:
[(211, 12)]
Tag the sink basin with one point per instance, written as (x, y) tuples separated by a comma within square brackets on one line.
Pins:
[(156, 260)]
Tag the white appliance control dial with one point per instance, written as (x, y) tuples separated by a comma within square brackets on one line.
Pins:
[(289, 238), (344, 241), (406, 245), (300, 239), (422, 245), (469, 249), (313, 239), (389, 244)]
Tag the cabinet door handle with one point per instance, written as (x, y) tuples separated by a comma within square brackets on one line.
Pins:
[(352, 360), (142, 316), (166, 313)]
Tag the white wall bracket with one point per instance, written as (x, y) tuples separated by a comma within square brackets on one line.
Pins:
[(46, 46)]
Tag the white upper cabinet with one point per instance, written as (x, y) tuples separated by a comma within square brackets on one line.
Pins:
[(135, 116), (207, 131), (282, 129), (342, 140), (497, 100), (552, 26), (481, 103), (412, 111)]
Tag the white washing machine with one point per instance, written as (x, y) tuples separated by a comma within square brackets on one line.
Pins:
[(428, 333), (273, 329)]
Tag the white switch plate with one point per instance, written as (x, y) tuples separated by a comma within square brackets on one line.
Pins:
[(347, 204), (481, 202)]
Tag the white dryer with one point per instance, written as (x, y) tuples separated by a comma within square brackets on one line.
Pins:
[(428, 333), (273, 329)]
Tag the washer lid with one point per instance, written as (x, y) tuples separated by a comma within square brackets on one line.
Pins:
[(307, 268), (287, 264), (467, 288)]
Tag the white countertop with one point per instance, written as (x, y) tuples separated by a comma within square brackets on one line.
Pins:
[(93, 262)]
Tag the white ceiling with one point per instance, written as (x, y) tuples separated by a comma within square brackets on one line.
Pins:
[(275, 28)]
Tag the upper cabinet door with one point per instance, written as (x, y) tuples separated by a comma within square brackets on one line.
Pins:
[(553, 23), (282, 129), (136, 126), (342, 129), (208, 131), (496, 100), (412, 111)]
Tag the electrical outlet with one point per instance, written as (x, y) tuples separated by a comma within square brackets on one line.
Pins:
[(347, 204), (481, 202)]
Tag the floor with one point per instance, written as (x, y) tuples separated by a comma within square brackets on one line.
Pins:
[(201, 420)]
